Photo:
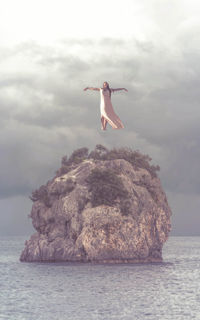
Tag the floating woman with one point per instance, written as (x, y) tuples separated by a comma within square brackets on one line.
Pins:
[(107, 112)]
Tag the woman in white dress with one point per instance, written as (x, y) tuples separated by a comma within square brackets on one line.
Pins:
[(107, 112)]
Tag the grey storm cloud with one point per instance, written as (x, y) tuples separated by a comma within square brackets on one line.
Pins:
[(45, 113)]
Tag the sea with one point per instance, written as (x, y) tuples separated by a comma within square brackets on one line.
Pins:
[(72, 291)]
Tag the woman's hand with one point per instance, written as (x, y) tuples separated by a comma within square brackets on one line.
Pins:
[(85, 89), (125, 90)]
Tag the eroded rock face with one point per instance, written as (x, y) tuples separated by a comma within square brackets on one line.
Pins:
[(70, 229)]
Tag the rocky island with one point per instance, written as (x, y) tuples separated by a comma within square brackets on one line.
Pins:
[(105, 206)]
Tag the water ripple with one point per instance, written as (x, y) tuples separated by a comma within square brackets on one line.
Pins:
[(59, 291)]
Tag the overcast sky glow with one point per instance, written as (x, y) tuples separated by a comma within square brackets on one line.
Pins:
[(51, 50)]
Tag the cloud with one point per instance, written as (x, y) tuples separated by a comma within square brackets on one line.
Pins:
[(14, 216), (185, 218), (45, 113), (31, 154), (150, 48), (43, 97)]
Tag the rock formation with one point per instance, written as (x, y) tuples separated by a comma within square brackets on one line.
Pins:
[(106, 206)]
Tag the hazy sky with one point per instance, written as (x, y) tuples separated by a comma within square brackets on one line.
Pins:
[(50, 50)]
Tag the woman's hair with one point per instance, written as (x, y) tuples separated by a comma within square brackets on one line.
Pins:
[(108, 87)]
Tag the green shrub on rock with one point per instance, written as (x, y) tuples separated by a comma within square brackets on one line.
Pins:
[(105, 187), (134, 157), (69, 185), (42, 195), (78, 156)]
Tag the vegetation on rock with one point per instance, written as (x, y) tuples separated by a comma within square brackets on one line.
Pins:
[(41, 194), (135, 158), (105, 187)]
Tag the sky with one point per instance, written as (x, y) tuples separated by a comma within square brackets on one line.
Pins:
[(51, 50)]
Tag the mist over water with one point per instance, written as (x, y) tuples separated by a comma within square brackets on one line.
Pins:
[(59, 291)]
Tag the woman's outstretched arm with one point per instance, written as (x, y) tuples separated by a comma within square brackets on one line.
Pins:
[(91, 88), (117, 89)]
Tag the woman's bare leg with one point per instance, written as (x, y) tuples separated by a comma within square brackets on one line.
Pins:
[(103, 123)]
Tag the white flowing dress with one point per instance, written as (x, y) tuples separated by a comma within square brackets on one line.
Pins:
[(107, 110)]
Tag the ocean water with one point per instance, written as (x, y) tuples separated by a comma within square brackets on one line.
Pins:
[(59, 291)]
